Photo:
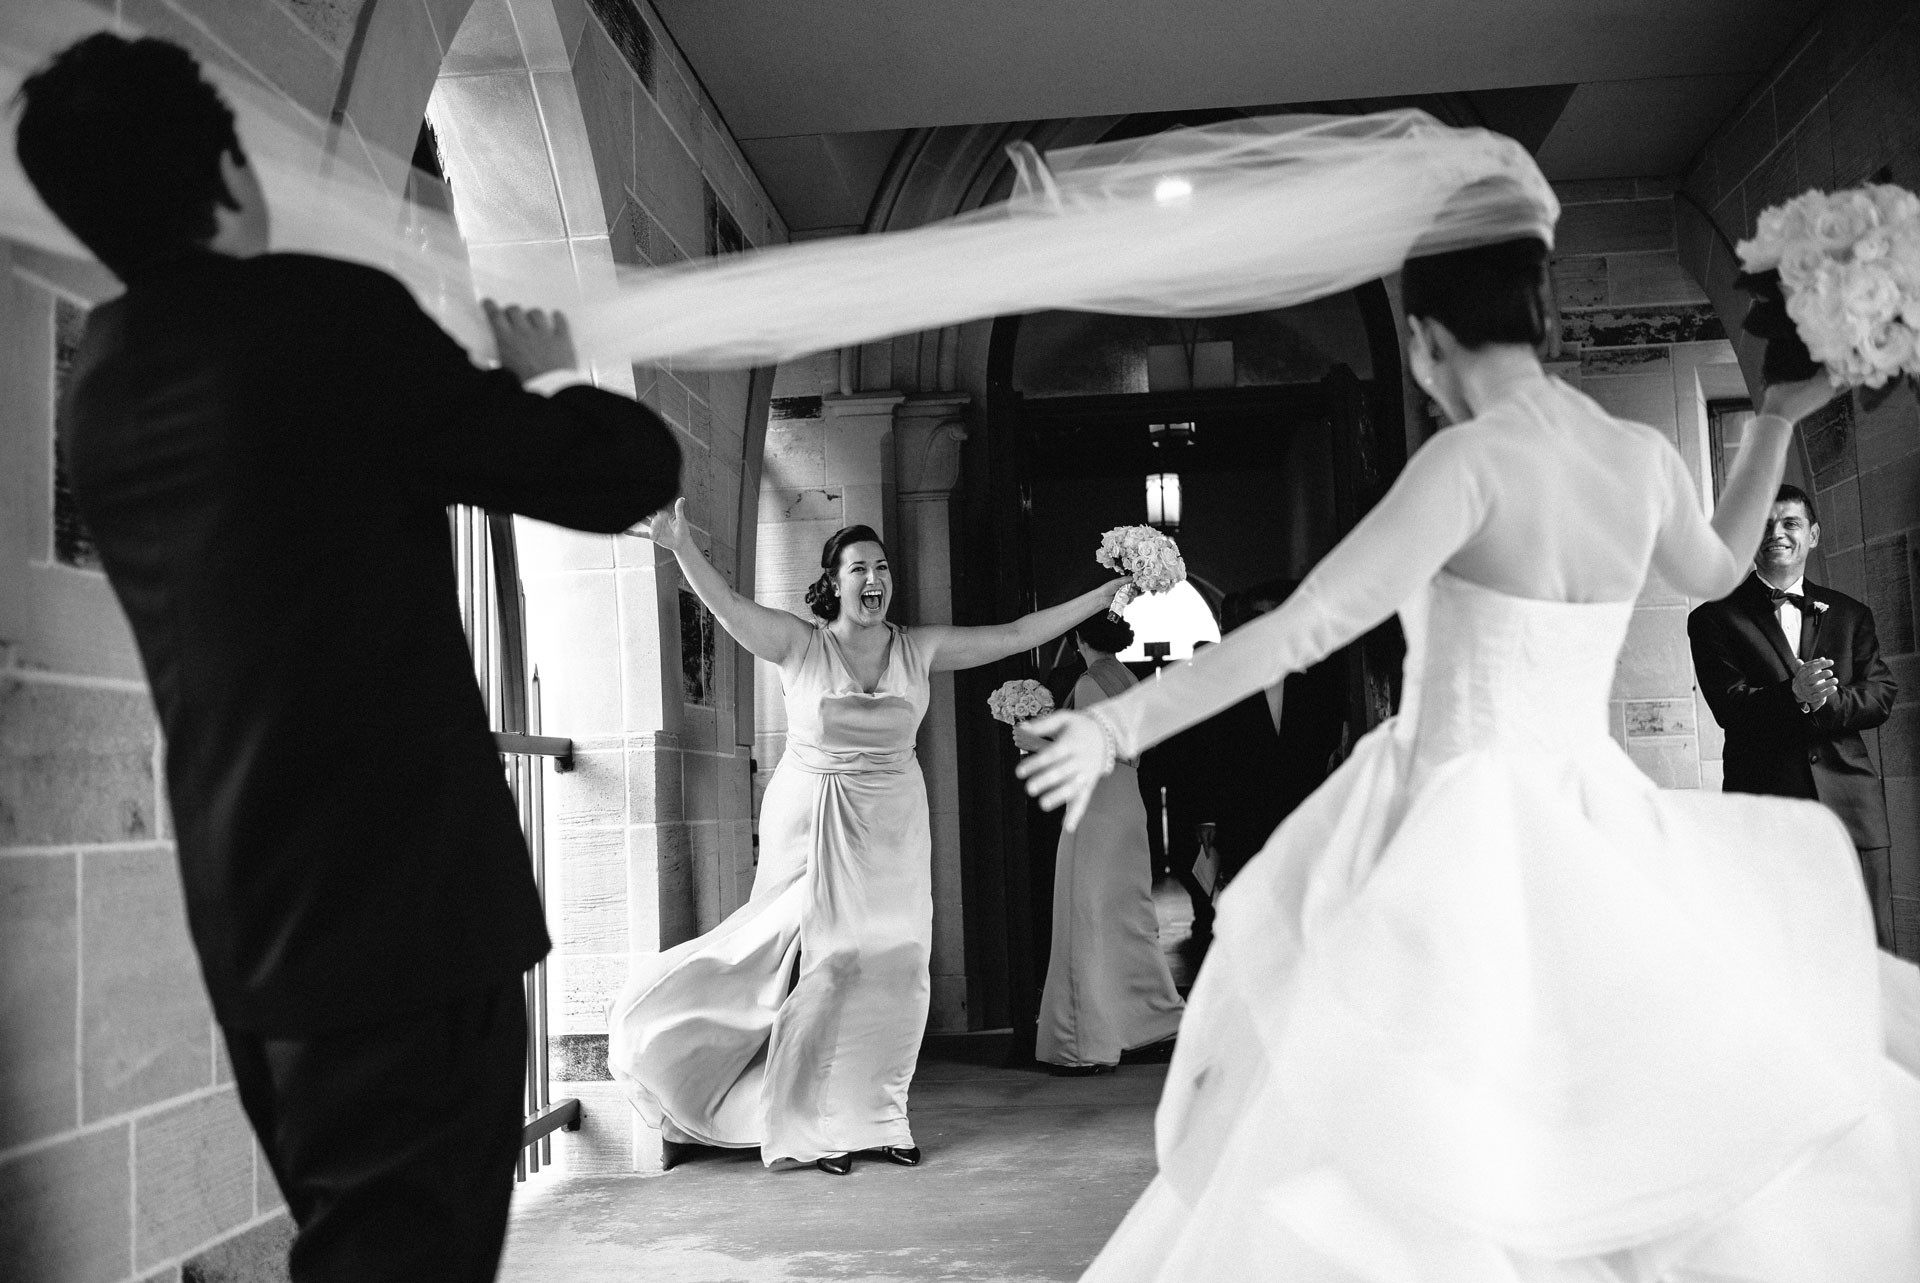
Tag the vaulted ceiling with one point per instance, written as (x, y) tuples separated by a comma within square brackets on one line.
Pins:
[(820, 91)]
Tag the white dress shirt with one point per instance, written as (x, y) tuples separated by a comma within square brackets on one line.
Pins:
[(1789, 613)]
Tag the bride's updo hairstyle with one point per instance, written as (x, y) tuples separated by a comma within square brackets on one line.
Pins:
[(1105, 634), (823, 594), (1494, 293)]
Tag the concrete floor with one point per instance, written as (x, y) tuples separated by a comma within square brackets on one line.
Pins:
[(1025, 1176)]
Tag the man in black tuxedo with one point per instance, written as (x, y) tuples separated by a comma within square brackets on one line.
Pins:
[(1792, 672), (264, 447)]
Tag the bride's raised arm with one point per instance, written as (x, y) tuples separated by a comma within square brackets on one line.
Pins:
[(1709, 559), (1436, 506)]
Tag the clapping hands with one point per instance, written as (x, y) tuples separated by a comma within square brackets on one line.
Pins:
[(1814, 682)]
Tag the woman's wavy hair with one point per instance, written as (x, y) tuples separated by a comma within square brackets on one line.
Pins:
[(823, 598), (1105, 633)]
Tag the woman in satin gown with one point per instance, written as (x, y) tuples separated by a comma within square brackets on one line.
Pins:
[(1108, 988), (794, 1025), (1491, 1007)]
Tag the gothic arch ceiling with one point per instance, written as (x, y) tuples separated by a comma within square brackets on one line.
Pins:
[(821, 93)]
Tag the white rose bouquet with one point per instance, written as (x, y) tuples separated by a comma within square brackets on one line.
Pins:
[(1848, 272), (1020, 700), (1148, 558)]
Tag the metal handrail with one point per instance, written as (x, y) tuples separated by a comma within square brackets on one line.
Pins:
[(561, 1115), (493, 611), (554, 746)]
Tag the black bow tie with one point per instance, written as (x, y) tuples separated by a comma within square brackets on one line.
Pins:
[(1780, 594)]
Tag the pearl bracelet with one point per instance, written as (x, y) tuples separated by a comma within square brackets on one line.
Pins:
[(1111, 739)]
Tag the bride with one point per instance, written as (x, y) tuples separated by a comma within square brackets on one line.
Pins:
[(1491, 1007)]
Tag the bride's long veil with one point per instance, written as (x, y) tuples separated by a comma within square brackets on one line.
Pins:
[(1230, 217)]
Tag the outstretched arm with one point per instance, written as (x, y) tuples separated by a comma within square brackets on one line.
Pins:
[(1432, 511), (1708, 559), (954, 647), (769, 634), (581, 458)]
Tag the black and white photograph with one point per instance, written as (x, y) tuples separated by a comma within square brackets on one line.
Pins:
[(1021, 641)]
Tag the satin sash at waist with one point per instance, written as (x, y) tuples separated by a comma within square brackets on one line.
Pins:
[(816, 760)]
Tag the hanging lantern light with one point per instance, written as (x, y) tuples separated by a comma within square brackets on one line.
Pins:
[(1163, 500)]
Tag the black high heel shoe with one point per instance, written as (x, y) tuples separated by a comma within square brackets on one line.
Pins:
[(835, 1164), (904, 1155)]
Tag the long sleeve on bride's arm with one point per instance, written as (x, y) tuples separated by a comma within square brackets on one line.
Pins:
[(1436, 506), (1688, 552)]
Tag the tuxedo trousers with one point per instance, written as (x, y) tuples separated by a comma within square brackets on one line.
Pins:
[(394, 1142), (1876, 866)]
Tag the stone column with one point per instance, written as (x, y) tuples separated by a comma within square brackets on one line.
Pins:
[(859, 435), (927, 434)]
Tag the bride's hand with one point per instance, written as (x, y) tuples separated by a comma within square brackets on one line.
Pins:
[(669, 528), (1065, 771), (1795, 401)]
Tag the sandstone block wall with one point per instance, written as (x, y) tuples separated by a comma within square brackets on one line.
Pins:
[(1841, 108)]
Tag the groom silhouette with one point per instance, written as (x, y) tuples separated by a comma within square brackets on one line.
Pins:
[(264, 447), (1793, 674)]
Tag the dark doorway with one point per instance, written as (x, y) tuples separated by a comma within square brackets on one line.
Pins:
[(1274, 469)]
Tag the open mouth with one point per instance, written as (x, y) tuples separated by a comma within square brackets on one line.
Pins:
[(872, 598)]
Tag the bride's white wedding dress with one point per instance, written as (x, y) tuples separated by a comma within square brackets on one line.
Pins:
[(1491, 1007)]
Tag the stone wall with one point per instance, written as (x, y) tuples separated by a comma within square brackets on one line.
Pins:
[(1841, 108), (123, 1150)]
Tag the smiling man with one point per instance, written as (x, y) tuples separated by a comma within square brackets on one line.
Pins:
[(1792, 672)]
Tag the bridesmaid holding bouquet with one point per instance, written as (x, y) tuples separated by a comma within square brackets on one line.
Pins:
[(794, 1025), (1108, 986)]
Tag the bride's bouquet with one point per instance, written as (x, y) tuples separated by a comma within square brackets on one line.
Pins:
[(1019, 701), (1837, 284), (1150, 560)]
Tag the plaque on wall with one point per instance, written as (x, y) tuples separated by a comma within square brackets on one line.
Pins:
[(72, 542), (696, 651)]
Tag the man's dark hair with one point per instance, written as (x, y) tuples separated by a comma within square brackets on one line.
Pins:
[(122, 139), (1790, 493), (1487, 294)]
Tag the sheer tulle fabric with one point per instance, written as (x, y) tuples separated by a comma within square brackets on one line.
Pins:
[(1233, 217)]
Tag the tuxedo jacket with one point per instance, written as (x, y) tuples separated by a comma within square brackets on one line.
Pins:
[(264, 450), (1745, 669)]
